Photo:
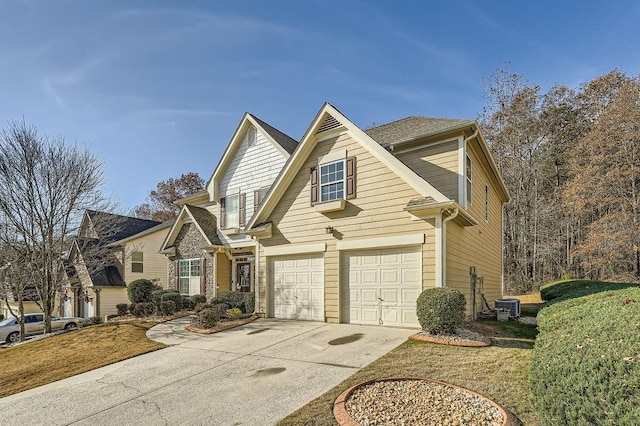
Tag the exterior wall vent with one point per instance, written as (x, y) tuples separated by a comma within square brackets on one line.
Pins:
[(252, 136), (329, 123)]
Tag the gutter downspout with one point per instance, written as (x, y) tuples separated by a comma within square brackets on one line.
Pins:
[(256, 285), (444, 244)]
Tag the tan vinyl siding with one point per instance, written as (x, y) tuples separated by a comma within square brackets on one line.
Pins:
[(437, 164), (377, 211), (154, 265), (480, 245), (109, 298), (223, 272)]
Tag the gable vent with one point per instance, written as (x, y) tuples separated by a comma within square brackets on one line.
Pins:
[(329, 123), (252, 136)]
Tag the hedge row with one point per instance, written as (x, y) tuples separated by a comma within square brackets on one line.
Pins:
[(570, 289), (586, 361)]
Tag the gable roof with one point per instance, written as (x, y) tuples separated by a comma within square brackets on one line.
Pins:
[(285, 145), (99, 262), (148, 231), (412, 128), (118, 227), (205, 222), (330, 120)]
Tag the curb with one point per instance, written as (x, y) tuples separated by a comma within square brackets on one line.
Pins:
[(343, 417)]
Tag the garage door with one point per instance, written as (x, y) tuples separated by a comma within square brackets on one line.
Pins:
[(298, 287), (381, 286)]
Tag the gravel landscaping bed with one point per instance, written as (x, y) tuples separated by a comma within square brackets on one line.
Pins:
[(462, 337), (419, 402)]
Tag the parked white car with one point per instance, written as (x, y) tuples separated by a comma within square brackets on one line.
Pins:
[(33, 324)]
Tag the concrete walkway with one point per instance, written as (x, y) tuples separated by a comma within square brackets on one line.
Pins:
[(252, 375)]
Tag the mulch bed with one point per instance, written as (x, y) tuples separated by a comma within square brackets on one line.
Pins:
[(464, 337), (222, 325)]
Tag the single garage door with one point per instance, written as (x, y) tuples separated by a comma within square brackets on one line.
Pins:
[(298, 287), (381, 286)]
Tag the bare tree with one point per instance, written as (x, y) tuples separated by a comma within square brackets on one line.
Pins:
[(45, 186), (160, 205)]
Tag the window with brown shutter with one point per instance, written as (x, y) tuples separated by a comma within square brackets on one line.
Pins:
[(314, 184), (242, 209), (351, 178), (223, 212)]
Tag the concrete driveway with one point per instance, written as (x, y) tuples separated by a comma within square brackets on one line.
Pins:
[(252, 375)]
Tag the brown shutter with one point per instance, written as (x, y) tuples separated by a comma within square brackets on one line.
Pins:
[(351, 178), (242, 209), (203, 276), (176, 276), (314, 184), (256, 199), (221, 219)]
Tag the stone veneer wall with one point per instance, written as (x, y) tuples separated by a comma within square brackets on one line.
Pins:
[(189, 243)]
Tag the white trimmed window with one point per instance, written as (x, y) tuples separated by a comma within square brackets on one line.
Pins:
[(137, 261), (232, 213), (332, 181), (468, 173), (189, 276)]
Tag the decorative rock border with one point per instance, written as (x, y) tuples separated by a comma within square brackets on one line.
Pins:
[(194, 329), (343, 417), (467, 343)]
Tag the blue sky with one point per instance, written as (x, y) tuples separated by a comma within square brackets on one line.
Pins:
[(156, 88)]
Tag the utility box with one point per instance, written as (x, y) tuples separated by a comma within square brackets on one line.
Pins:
[(512, 305)]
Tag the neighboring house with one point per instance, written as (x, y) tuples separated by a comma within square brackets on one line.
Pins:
[(360, 222), (110, 251), (206, 248)]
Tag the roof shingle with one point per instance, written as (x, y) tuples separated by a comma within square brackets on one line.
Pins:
[(414, 127)]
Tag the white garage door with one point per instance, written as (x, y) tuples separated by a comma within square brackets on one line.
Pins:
[(381, 286), (298, 287)]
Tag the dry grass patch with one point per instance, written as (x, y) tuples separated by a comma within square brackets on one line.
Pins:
[(45, 361), (500, 372)]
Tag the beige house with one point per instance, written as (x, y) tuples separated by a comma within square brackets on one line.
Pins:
[(360, 222), (110, 251), (206, 248)]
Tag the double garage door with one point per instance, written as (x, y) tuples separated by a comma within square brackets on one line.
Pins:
[(377, 286)]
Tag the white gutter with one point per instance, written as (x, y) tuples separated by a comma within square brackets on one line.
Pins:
[(444, 245), (256, 280)]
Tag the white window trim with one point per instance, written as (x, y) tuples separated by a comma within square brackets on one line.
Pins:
[(343, 180), (227, 222)]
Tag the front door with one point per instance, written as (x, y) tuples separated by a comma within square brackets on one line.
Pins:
[(243, 276)]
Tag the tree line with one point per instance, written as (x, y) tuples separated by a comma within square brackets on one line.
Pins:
[(570, 157)]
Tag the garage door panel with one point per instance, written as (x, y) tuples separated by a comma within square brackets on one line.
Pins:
[(298, 287), (393, 275)]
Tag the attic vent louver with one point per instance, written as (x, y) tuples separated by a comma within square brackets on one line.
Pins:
[(329, 123), (252, 137)]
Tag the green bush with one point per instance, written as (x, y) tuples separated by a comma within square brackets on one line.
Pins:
[(198, 298), (441, 310), (1, 317), (187, 303), (86, 322), (566, 289), (174, 296), (586, 359), (249, 302), (112, 316), (235, 299), (201, 306), (139, 291), (222, 307), (122, 308), (167, 307), (208, 317), (142, 309), (233, 313)]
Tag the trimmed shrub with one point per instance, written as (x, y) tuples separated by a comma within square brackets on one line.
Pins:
[(201, 306), (198, 298), (1, 317), (132, 308), (234, 299), (174, 296), (139, 291), (560, 290), (143, 309), (234, 313), (167, 307), (87, 322), (222, 307), (585, 367), (249, 302), (187, 303), (208, 317), (112, 316), (441, 310), (122, 308)]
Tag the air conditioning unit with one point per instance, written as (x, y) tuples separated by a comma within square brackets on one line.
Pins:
[(512, 305)]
